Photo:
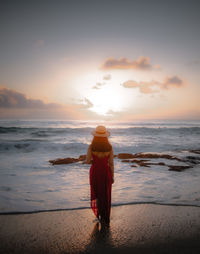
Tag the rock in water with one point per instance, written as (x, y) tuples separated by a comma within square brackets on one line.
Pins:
[(125, 156), (178, 168), (82, 157), (195, 151), (193, 159), (125, 160), (155, 156), (63, 161)]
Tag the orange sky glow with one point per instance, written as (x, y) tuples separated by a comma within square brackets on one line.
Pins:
[(74, 65)]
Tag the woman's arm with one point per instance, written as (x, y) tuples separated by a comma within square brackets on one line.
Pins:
[(111, 164), (89, 155)]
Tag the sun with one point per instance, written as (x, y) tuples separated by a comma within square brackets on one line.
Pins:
[(106, 100), (107, 96)]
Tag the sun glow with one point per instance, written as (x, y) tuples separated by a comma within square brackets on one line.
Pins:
[(106, 100), (103, 92)]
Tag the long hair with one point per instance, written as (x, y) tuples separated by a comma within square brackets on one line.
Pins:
[(100, 144)]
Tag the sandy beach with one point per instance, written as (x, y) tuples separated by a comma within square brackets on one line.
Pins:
[(141, 228)]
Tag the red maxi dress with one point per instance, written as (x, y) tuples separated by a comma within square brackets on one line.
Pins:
[(100, 187)]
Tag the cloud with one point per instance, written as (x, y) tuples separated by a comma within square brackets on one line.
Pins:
[(150, 87), (130, 84), (98, 85), (144, 87), (157, 67), (12, 99), (14, 104), (142, 63), (172, 81), (107, 77), (88, 103), (84, 103)]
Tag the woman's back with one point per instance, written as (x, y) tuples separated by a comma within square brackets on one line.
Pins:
[(100, 154), (100, 160)]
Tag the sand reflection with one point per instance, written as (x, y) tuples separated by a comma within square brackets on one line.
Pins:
[(100, 238)]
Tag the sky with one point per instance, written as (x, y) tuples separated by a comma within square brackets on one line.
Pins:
[(97, 60)]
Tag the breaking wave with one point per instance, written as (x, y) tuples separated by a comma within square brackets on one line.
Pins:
[(46, 132)]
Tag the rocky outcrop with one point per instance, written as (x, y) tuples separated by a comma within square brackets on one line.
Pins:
[(195, 151), (68, 160), (125, 156), (147, 156), (63, 161), (177, 168), (125, 160), (141, 160), (82, 157), (147, 163), (141, 163), (155, 156), (193, 159)]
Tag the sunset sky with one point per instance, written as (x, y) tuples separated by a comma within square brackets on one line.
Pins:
[(120, 60)]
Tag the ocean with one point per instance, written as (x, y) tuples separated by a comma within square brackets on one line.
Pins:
[(28, 182)]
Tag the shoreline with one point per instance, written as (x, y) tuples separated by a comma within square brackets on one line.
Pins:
[(134, 228), (87, 207)]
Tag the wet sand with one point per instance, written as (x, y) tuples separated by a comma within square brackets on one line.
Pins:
[(142, 228)]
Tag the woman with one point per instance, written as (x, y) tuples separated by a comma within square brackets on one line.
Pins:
[(100, 153)]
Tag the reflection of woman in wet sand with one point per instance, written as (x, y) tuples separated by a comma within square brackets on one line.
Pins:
[(100, 153), (100, 240)]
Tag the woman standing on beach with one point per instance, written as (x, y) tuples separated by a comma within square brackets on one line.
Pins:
[(100, 154)]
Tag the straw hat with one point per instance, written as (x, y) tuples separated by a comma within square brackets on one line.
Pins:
[(101, 132)]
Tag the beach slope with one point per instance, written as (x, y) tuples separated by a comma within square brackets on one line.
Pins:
[(141, 228)]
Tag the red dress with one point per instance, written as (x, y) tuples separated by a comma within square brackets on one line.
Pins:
[(100, 187)]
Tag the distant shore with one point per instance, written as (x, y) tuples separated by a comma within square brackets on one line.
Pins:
[(141, 228)]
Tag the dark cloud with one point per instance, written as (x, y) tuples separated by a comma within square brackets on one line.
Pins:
[(107, 77), (142, 63), (16, 104), (12, 99), (150, 87), (172, 81)]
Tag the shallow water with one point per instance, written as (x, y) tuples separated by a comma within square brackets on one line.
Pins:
[(28, 182)]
